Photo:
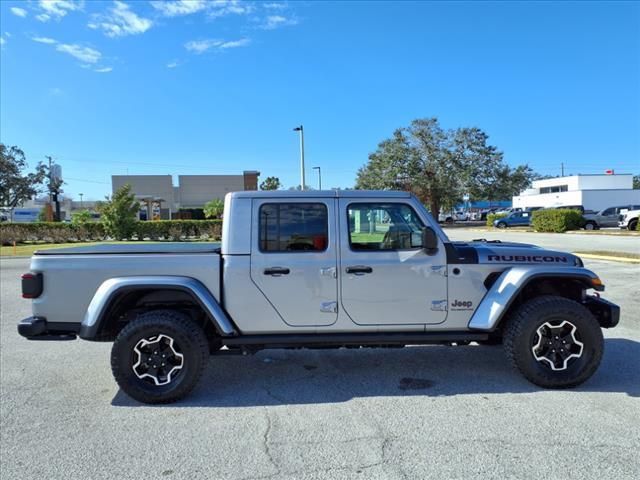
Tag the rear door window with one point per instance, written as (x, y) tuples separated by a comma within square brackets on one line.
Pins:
[(293, 227)]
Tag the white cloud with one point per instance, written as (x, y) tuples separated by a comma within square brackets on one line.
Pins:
[(275, 6), (47, 40), (179, 7), (120, 21), (2, 41), (55, 91), (173, 64), (57, 8), (201, 46), (213, 9), (84, 54), (243, 42), (20, 12), (275, 21), (103, 69)]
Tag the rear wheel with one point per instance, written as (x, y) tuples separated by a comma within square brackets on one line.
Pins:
[(501, 225), (159, 357), (554, 342)]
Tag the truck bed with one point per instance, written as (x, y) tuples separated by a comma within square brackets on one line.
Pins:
[(71, 276), (135, 248)]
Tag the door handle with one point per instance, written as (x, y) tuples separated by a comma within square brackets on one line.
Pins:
[(276, 271), (359, 269)]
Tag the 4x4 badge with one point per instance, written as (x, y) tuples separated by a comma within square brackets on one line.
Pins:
[(439, 305)]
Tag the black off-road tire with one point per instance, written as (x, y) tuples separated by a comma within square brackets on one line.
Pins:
[(189, 339), (633, 225), (520, 333)]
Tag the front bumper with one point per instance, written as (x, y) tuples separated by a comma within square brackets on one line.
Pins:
[(37, 328), (607, 313)]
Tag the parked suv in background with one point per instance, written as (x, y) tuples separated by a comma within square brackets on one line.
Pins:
[(629, 219), (514, 219), (609, 217)]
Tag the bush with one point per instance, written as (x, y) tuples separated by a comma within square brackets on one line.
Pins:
[(118, 214), (50, 232), (557, 221), (81, 217), (57, 232), (494, 216), (177, 230)]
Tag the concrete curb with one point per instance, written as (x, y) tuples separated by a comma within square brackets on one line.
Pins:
[(608, 258)]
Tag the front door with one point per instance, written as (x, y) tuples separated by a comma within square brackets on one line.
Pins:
[(294, 258), (386, 279)]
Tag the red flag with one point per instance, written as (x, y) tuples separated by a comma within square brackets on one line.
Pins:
[(609, 172)]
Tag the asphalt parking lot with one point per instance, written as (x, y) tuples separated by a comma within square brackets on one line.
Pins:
[(423, 412)]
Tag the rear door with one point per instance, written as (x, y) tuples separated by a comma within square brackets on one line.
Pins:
[(294, 258), (385, 279)]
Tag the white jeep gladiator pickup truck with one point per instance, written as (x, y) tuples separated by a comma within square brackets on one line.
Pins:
[(317, 269)]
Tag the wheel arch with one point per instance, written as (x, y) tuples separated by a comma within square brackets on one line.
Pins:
[(518, 284), (116, 296)]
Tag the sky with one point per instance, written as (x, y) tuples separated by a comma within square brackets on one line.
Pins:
[(193, 87)]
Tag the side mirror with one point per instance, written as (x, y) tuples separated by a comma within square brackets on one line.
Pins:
[(429, 240)]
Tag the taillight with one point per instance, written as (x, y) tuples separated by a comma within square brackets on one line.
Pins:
[(31, 285)]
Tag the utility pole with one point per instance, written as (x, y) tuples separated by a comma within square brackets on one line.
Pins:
[(53, 190), (301, 130), (562, 169), (81, 195), (319, 177)]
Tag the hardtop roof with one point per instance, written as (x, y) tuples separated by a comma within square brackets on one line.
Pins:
[(320, 194)]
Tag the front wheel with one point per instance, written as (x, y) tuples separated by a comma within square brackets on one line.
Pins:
[(633, 225), (590, 226), (501, 225), (159, 357), (554, 342)]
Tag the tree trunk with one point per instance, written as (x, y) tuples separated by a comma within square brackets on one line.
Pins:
[(434, 206)]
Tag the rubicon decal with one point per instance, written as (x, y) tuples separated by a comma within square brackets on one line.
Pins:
[(527, 258)]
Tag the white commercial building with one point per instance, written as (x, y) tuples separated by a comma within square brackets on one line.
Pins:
[(161, 199), (593, 192)]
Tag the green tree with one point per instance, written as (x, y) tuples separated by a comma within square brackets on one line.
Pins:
[(271, 183), (214, 208), (438, 165), (119, 213), (15, 185), (81, 217), (636, 182)]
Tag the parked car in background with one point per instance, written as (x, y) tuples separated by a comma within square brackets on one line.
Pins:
[(451, 217), (508, 210), (609, 217), (484, 213), (629, 219), (514, 219)]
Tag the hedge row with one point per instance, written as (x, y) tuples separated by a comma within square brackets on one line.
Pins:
[(54, 232), (494, 216), (557, 221)]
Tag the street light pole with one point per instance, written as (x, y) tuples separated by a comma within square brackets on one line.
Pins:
[(319, 177), (301, 130), (81, 195)]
